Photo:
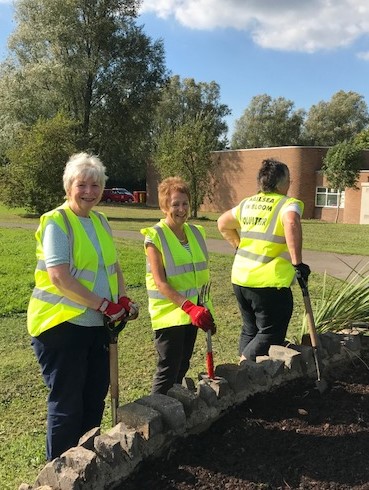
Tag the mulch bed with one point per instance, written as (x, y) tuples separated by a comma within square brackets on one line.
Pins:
[(290, 438)]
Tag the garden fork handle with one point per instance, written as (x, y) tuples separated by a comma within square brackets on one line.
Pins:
[(309, 311), (209, 356), (203, 299)]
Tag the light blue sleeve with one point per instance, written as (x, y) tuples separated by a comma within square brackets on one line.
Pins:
[(55, 244), (56, 250)]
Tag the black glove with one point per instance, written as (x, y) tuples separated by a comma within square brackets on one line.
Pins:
[(303, 271)]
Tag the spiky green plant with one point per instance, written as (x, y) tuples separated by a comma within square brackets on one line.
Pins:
[(344, 307)]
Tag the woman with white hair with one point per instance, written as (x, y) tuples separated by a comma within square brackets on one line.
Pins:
[(78, 281)]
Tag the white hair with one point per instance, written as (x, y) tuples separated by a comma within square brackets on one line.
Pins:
[(83, 165)]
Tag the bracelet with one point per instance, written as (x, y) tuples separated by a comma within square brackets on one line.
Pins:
[(104, 305), (184, 302)]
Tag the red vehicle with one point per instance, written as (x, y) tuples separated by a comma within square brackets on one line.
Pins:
[(117, 194)]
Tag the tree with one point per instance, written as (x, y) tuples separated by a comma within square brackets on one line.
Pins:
[(189, 126), (33, 176), (268, 122), (340, 119), (185, 151), (184, 99), (341, 166), (362, 139), (92, 61)]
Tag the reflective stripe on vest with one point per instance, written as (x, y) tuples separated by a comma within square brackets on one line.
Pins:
[(186, 271), (154, 294), (171, 269), (267, 235), (54, 299), (85, 275), (48, 306), (262, 258)]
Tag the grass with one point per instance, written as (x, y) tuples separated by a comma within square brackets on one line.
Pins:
[(318, 235), (23, 395)]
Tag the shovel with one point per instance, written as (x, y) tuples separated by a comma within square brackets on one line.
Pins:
[(320, 383), (203, 298), (114, 330)]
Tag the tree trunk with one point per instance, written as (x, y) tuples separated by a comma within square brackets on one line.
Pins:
[(338, 206)]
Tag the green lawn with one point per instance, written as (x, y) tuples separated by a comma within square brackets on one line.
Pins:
[(318, 235), (23, 396)]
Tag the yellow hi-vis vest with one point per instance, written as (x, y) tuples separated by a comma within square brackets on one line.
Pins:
[(48, 307), (262, 259), (185, 271)]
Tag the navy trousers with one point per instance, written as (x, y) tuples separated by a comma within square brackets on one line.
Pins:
[(265, 313), (175, 347), (75, 366)]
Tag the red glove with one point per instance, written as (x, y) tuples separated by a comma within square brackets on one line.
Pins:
[(200, 316), (130, 307), (114, 311)]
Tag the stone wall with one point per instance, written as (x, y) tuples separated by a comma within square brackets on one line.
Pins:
[(148, 426)]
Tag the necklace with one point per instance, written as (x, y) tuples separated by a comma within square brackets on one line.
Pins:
[(180, 234), (181, 237), (183, 240)]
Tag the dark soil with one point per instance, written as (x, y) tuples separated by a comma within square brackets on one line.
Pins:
[(290, 438)]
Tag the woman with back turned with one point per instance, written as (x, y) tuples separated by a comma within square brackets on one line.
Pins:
[(265, 230)]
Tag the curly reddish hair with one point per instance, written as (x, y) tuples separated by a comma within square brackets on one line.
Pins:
[(170, 185)]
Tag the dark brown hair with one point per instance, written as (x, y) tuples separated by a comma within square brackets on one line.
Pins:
[(272, 175)]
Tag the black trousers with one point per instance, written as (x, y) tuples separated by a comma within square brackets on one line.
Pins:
[(265, 313), (75, 366), (174, 346)]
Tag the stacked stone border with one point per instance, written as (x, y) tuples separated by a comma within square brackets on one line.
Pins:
[(150, 425)]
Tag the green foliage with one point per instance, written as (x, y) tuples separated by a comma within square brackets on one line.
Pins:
[(362, 139), (338, 305), (268, 122), (337, 120), (189, 127), (342, 165), (346, 307), (186, 151), (185, 100), (33, 176), (92, 61)]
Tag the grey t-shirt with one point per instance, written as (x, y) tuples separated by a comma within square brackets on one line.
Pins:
[(56, 249)]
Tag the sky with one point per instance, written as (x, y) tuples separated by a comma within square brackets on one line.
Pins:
[(303, 50)]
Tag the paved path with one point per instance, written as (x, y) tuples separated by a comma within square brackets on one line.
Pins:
[(336, 265)]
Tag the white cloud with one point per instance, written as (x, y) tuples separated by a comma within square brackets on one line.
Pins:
[(292, 25), (363, 55)]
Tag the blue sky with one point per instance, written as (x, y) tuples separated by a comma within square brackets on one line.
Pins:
[(303, 50)]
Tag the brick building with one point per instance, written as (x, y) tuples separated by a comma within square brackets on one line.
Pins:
[(235, 178)]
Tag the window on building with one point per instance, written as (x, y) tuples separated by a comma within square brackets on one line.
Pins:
[(328, 198)]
